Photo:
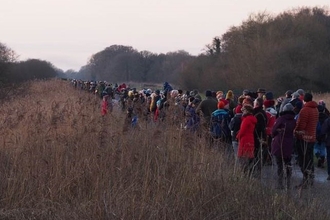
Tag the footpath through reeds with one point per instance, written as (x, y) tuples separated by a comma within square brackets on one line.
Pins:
[(59, 159)]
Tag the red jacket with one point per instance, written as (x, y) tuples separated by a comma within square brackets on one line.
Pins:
[(245, 136), (104, 107), (307, 122)]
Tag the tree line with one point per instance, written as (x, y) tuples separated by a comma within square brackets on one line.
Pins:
[(287, 51)]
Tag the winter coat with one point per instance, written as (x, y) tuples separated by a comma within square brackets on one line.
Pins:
[(282, 133), (207, 106), (245, 136), (325, 131), (235, 124), (220, 123), (153, 104), (260, 129), (192, 121), (307, 122)]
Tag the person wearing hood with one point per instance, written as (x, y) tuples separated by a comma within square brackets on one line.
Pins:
[(282, 144), (305, 133)]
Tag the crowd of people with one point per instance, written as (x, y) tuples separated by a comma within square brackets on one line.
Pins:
[(259, 129)]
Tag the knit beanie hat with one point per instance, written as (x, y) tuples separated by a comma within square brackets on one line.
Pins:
[(288, 107), (300, 92), (269, 96), (238, 109), (221, 105), (295, 95)]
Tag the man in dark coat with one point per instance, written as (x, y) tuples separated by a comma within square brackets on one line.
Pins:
[(206, 107), (260, 148)]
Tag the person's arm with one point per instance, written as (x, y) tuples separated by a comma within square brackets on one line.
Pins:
[(302, 121)]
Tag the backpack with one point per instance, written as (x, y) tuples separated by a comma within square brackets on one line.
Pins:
[(219, 125)]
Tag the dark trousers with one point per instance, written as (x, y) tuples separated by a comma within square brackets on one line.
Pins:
[(283, 164), (305, 152)]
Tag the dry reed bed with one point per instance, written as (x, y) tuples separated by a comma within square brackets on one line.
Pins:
[(61, 160)]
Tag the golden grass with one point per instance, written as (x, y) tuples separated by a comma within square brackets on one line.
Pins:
[(59, 159)]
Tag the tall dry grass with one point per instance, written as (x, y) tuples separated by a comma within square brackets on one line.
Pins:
[(59, 159)]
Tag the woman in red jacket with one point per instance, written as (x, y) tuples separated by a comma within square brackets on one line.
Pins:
[(246, 138)]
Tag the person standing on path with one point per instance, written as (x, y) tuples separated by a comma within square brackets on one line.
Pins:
[(305, 133)]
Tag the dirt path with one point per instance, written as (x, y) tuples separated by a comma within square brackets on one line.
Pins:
[(318, 193)]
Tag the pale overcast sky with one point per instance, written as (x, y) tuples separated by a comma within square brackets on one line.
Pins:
[(67, 32)]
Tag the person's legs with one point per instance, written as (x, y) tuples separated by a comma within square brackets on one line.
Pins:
[(305, 152), (309, 169), (279, 163), (288, 168)]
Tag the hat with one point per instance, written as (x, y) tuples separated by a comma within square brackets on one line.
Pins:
[(208, 93), (288, 107), (295, 95), (230, 94), (238, 109), (320, 108), (269, 96), (300, 92), (308, 97), (261, 90), (221, 105), (269, 103), (225, 101)]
